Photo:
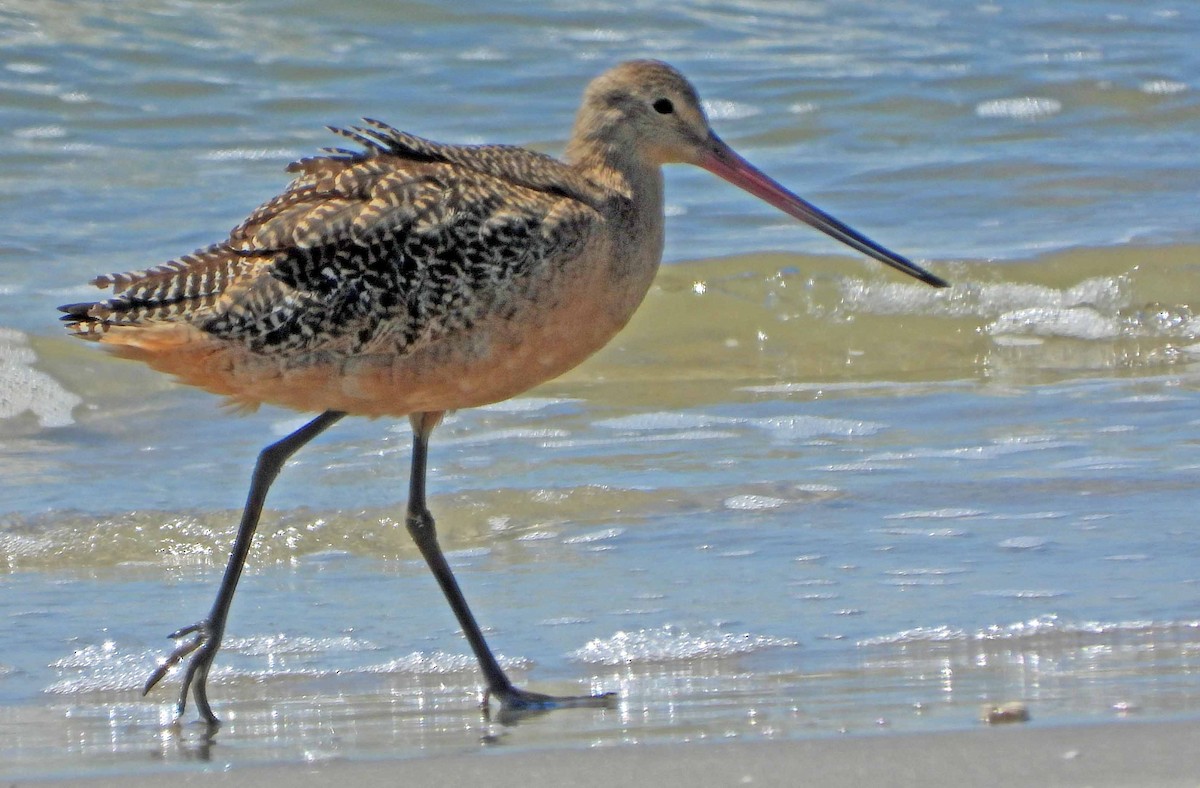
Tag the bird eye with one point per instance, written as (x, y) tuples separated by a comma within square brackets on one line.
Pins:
[(664, 106)]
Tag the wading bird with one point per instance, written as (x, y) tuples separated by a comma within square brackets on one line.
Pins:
[(410, 278)]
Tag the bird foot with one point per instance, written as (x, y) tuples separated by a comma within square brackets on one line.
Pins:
[(202, 647), (517, 704)]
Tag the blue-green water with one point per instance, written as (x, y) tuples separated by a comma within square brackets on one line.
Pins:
[(798, 496)]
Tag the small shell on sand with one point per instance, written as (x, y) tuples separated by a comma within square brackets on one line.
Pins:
[(999, 713)]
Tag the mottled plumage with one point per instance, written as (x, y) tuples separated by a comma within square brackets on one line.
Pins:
[(408, 277), (368, 254)]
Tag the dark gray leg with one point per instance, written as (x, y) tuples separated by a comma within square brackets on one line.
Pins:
[(421, 526), (207, 634)]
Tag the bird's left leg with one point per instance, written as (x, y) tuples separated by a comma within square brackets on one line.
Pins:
[(205, 635), (421, 526)]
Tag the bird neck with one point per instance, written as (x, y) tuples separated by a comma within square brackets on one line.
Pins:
[(634, 218), (602, 148)]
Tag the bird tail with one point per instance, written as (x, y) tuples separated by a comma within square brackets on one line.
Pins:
[(164, 293)]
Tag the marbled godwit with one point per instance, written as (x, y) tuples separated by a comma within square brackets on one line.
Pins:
[(411, 278)]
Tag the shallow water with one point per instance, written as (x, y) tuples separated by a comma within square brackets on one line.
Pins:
[(798, 496)]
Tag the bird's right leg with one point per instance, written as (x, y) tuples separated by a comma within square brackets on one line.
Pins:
[(206, 634), (514, 702)]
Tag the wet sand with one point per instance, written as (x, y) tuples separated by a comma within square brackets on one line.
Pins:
[(1125, 753)]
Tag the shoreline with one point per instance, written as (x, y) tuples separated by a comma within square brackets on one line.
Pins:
[(1123, 753)]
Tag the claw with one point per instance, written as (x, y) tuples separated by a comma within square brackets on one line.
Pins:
[(198, 666), (517, 704), (197, 627), (171, 661)]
